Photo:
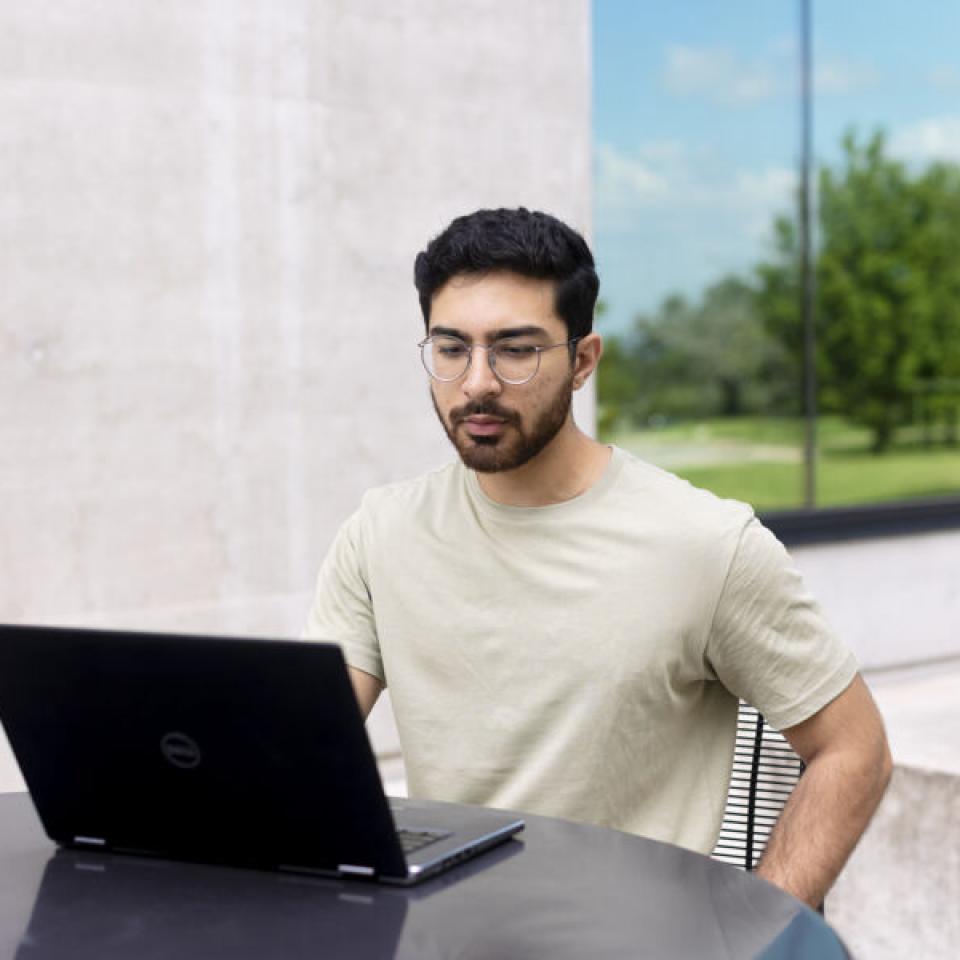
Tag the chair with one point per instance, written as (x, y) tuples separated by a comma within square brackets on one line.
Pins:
[(765, 771)]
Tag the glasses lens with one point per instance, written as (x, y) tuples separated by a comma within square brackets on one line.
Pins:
[(445, 358), (515, 361)]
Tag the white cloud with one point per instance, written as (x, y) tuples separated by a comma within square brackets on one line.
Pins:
[(672, 217), (715, 73), (624, 181), (945, 77), (771, 185), (702, 221), (784, 46), (936, 138), (842, 76), (662, 151), (761, 196), (673, 181)]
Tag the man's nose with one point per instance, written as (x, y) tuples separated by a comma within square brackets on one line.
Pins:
[(480, 380)]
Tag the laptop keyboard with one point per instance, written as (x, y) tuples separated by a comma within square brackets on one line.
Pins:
[(413, 840)]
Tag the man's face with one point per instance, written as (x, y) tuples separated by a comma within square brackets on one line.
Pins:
[(500, 426)]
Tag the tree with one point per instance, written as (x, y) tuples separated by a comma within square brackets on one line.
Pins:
[(888, 287), (617, 386), (937, 247), (707, 357)]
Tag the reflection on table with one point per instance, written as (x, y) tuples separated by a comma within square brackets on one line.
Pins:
[(564, 890)]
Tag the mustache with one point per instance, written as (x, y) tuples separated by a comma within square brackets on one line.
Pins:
[(485, 408)]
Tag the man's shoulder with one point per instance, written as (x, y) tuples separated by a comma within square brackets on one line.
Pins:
[(660, 493)]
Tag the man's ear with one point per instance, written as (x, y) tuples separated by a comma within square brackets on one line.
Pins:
[(589, 352)]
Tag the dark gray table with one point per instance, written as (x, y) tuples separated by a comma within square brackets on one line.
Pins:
[(561, 890)]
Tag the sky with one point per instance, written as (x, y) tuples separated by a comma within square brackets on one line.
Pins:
[(696, 124)]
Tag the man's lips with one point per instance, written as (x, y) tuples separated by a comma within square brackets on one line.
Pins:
[(483, 426)]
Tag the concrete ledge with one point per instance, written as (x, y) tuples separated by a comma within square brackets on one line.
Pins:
[(900, 893)]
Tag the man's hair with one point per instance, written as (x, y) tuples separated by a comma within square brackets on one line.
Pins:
[(526, 242)]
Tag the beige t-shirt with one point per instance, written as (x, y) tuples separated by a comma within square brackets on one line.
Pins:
[(579, 660)]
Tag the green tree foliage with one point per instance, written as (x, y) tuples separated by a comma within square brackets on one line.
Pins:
[(709, 357), (887, 294), (887, 308), (617, 386)]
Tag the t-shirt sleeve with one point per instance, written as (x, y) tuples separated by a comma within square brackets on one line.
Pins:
[(342, 610), (770, 643)]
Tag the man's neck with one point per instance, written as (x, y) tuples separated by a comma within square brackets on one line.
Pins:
[(569, 466)]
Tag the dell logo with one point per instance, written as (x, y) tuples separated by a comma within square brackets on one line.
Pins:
[(180, 750)]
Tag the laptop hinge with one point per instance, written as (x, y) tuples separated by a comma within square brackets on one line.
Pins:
[(91, 841), (354, 870)]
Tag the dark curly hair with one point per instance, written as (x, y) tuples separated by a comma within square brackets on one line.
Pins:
[(527, 242)]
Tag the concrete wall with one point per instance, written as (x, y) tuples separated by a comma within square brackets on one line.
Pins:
[(895, 601), (208, 215)]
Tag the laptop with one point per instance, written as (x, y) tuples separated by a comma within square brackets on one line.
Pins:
[(239, 751)]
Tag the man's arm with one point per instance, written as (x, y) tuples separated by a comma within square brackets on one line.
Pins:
[(848, 767), (367, 689)]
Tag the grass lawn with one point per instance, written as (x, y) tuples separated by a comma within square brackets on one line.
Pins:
[(760, 461)]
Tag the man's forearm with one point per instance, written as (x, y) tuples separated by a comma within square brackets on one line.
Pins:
[(823, 820)]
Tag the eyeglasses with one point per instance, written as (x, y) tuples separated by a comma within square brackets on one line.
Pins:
[(512, 360)]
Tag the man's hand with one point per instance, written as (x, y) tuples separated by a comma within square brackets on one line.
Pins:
[(848, 767), (367, 689)]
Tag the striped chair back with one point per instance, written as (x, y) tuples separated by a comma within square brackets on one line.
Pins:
[(765, 771)]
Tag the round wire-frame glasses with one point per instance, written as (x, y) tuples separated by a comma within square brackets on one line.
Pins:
[(448, 358)]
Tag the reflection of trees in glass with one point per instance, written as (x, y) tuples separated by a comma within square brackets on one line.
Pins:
[(728, 350), (888, 291), (710, 357), (888, 305)]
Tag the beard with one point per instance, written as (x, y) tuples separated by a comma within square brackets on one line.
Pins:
[(516, 445)]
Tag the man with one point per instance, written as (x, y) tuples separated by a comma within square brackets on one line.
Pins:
[(564, 628)]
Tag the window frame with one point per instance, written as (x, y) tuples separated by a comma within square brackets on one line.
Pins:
[(837, 524)]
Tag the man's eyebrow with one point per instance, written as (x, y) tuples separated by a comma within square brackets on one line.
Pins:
[(529, 330)]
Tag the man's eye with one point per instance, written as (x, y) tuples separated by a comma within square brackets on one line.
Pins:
[(450, 349), (515, 350)]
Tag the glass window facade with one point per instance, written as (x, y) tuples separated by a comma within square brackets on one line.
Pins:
[(784, 361)]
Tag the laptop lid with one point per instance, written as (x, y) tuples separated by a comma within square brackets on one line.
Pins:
[(205, 748)]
